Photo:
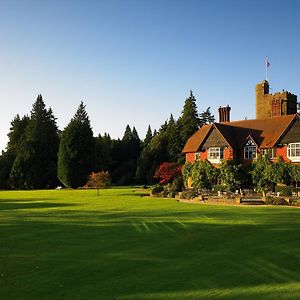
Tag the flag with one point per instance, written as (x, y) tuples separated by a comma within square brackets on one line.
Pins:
[(267, 63)]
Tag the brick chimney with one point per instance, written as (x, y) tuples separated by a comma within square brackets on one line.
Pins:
[(224, 114)]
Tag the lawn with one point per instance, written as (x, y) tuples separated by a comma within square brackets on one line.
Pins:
[(65, 244)]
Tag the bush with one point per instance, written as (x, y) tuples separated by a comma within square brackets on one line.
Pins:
[(276, 201), (219, 188), (171, 195), (284, 190), (157, 189), (280, 201), (189, 194), (177, 184)]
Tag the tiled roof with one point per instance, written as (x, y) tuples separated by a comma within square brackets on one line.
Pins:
[(195, 141), (265, 132)]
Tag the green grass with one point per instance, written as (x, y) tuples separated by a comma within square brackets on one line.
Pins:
[(120, 245)]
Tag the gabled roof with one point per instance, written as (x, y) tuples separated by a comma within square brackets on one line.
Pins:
[(265, 132), (196, 140)]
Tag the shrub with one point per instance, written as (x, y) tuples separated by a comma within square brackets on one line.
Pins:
[(166, 172), (177, 184), (280, 201), (284, 190), (189, 194), (157, 189), (218, 188)]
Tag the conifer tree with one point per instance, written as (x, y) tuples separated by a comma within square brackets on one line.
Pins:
[(76, 155), (189, 120), (174, 144), (206, 117), (148, 136), (35, 165)]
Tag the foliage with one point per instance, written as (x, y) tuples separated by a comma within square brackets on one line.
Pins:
[(76, 155), (189, 119), (206, 117), (260, 173), (103, 160), (188, 194), (295, 173), (99, 180), (177, 184), (157, 189), (186, 172), (166, 172), (231, 174), (285, 190), (35, 165), (278, 172), (203, 174)]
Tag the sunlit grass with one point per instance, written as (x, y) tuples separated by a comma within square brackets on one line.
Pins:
[(69, 244)]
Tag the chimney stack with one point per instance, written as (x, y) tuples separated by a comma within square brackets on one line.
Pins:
[(224, 114)]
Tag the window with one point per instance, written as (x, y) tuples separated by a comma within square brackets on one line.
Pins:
[(293, 151), (271, 152), (197, 155), (215, 154), (250, 150)]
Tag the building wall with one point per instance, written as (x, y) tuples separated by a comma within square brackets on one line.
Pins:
[(271, 105)]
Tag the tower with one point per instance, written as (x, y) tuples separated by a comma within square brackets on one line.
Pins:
[(272, 105)]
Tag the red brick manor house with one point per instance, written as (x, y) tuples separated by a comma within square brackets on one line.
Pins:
[(275, 132)]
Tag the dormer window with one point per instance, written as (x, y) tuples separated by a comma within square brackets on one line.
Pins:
[(215, 154), (250, 150)]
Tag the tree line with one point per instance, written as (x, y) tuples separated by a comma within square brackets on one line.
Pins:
[(38, 155)]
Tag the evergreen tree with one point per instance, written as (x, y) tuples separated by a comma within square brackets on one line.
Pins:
[(148, 136), (76, 155), (206, 117), (103, 153), (35, 165), (189, 120), (16, 136), (174, 144)]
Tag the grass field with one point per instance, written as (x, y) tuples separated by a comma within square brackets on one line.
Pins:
[(120, 245)]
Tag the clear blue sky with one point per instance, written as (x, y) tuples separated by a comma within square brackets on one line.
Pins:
[(134, 62)]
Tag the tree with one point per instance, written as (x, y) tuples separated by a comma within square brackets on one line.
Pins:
[(231, 174), (260, 176), (278, 172), (99, 180), (174, 143), (295, 174), (103, 152), (206, 117), (189, 120), (76, 156), (202, 174), (7, 158), (35, 165), (148, 136), (166, 172)]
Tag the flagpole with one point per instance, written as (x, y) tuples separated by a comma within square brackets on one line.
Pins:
[(266, 65)]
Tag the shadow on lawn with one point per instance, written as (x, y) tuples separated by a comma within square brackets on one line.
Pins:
[(16, 204)]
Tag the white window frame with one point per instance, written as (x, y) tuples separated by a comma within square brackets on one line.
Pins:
[(215, 154), (197, 156), (270, 152), (250, 150), (293, 152)]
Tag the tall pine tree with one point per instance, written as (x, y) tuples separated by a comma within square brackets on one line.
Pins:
[(35, 165), (76, 155), (189, 120)]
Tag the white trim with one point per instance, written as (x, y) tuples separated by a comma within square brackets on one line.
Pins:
[(296, 149)]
